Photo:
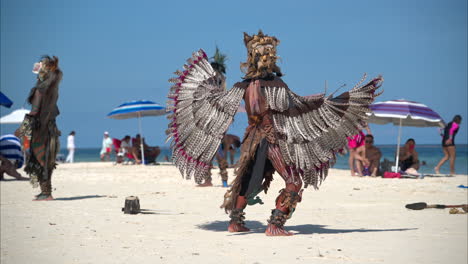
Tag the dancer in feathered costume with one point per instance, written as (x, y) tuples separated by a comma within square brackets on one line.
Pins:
[(218, 63), (39, 125), (298, 137)]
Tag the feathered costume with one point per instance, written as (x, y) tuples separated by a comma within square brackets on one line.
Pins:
[(296, 136), (40, 126)]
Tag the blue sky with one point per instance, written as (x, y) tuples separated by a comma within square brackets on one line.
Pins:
[(117, 51)]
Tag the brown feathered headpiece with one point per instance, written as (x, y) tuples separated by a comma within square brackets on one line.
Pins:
[(261, 61)]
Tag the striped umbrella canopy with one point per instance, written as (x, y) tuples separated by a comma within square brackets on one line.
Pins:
[(408, 113), (138, 109), (404, 113)]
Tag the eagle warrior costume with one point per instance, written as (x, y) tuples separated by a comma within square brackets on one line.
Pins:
[(298, 137), (39, 126)]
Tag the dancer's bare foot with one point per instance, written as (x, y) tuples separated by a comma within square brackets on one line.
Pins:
[(273, 230), (235, 227), (437, 171), (44, 197)]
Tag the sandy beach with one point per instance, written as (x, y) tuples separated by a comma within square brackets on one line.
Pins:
[(349, 220)]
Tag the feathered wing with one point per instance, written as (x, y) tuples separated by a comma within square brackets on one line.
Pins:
[(202, 113), (313, 129)]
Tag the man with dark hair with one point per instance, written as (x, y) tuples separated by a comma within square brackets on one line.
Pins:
[(368, 157), (150, 153)]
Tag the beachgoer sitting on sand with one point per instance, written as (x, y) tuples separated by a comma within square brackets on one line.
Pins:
[(11, 156), (368, 157), (151, 153), (354, 142), (126, 151), (409, 157)]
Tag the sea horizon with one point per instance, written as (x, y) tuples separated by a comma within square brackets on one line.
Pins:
[(430, 153)]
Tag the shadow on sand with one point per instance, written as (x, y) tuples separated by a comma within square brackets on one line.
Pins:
[(14, 179), (78, 197), (258, 227), (157, 212)]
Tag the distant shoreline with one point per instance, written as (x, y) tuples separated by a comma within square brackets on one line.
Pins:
[(377, 145)]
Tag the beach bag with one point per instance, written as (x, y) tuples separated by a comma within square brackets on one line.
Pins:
[(389, 174)]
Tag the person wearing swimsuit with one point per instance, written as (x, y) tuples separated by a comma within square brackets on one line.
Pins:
[(448, 144)]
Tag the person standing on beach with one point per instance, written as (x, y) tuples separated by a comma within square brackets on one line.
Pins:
[(218, 63), (448, 144), (296, 136), (221, 158), (71, 147), (231, 143), (106, 147), (40, 126)]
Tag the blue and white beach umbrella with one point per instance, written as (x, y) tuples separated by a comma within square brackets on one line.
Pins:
[(404, 113), (138, 109), (5, 101)]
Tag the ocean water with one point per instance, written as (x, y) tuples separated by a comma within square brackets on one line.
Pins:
[(431, 154)]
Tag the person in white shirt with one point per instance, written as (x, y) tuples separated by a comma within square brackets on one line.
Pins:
[(106, 147), (71, 147)]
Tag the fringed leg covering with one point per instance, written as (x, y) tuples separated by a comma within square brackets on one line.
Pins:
[(237, 217), (278, 218), (237, 223), (46, 189), (285, 207), (288, 200)]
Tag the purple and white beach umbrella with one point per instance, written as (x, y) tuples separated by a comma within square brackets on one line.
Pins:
[(404, 113)]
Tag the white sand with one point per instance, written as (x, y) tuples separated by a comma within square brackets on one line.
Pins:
[(349, 220)]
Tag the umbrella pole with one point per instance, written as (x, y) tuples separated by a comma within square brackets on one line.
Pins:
[(398, 147), (141, 140)]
